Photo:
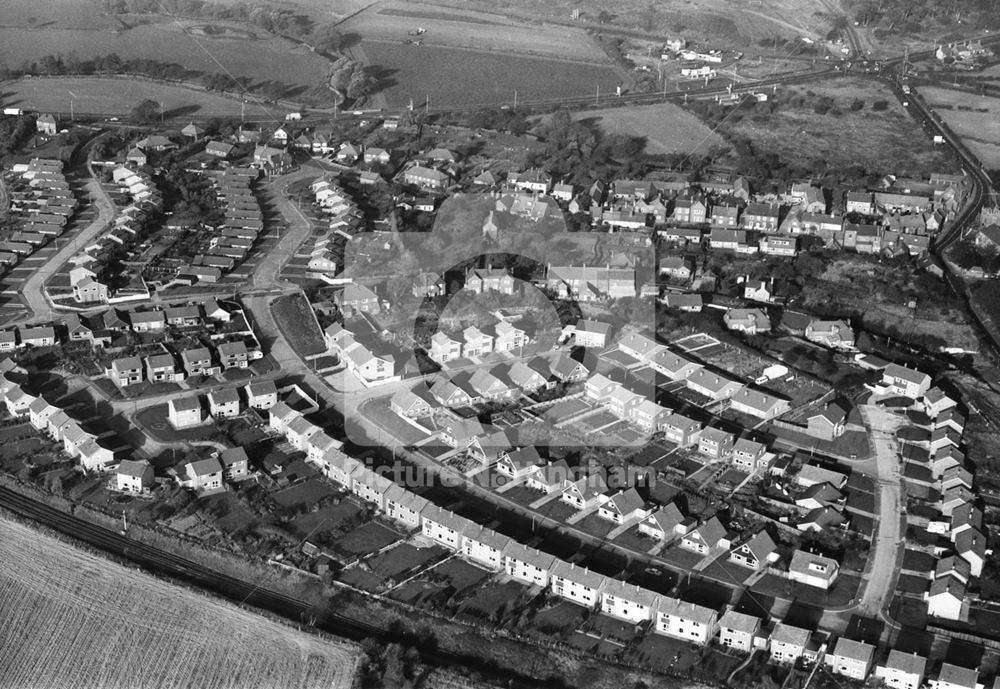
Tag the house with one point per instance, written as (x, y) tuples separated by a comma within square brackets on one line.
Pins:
[(834, 334), (524, 377), (936, 402), (357, 297), (408, 404), (819, 495), (147, 321), (184, 412), (589, 333), (946, 598), (738, 631), (749, 321), (299, 430), (691, 303), (44, 336), (671, 365), (46, 124), (663, 523), (811, 474), (95, 457), (233, 355), (822, 519), (726, 240), (509, 338), (955, 677), (680, 429), (183, 316), (725, 215), (204, 474), (777, 245), (902, 670), (970, 545), (444, 348), (39, 413), (527, 565), (628, 602), (160, 368), (649, 416), (860, 202), (688, 621), (690, 211), (224, 403), (549, 478), (261, 394), (788, 643), (377, 156), (198, 362), (748, 455), (576, 584), (86, 288), (590, 283), (489, 387), (444, 527), (371, 486), (712, 385), (813, 570), (585, 493), (851, 658), (759, 404), (447, 394), (517, 465), (828, 423), (952, 419), (715, 443), (483, 280), (905, 381), (623, 506), (705, 537), (756, 552), (763, 217), (569, 370), (219, 149), (126, 371), (807, 196), (404, 507), (426, 177), (235, 463), (484, 546), (134, 476)]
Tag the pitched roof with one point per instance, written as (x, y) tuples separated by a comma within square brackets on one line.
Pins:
[(791, 635), (906, 662), (958, 676), (133, 468), (855, 650), (687, 611), (204, 467), (740, 622)]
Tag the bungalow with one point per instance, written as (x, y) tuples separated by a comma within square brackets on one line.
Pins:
[(184, 412), (444, 348), (261, 394), (628, 602), (549, 478), (810, 475), (851, 659), (524, 377), (715, 443), (705, 537), (749, 321), (447, 394), (134, 476), (756, 552), (518, 464), (688, 621), (673, 366), (224, 403), (576, 584), (569, 370), (147, 321), (713, 385), (813, 570), (902, 670), (623, 506), (759, 404), (44, 336), (788, 643), (662, 523), (834, 334), (738, 631), (408, 404), (828, 423), (822, 520), (204, 474), (527, 565), (691, 303)]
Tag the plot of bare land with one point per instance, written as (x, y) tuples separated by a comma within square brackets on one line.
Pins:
[(668, 128), (261, 57), (65, 610), (111, 95), (455, 28), (461, 77), (979, 130), (888, 140)]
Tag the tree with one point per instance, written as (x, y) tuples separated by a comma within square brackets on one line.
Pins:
[(146, 112)]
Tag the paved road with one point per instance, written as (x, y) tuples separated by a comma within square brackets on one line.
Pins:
[(33, 289), (885, 549)]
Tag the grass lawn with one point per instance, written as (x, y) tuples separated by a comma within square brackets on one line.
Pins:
[(861, 501), (295, 318), (667, 128), (404, 558), (154, 420), (460, 574), (979, 130), (488, 600), (305, 493), (378, 411), (666, 654), (634, 540), (913, 434), (362, 579), (226, 512), (559, 620), (595, 525), (368, 538), (918, 561), (908, 583), (332, 517), (842, 592), (421, 593)]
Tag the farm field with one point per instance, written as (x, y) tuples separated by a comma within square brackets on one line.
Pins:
[(460, 28), (64, 609), (261, 58), (667, 128), (470, 78), (96, 95), (886, 141), (979, 130)]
